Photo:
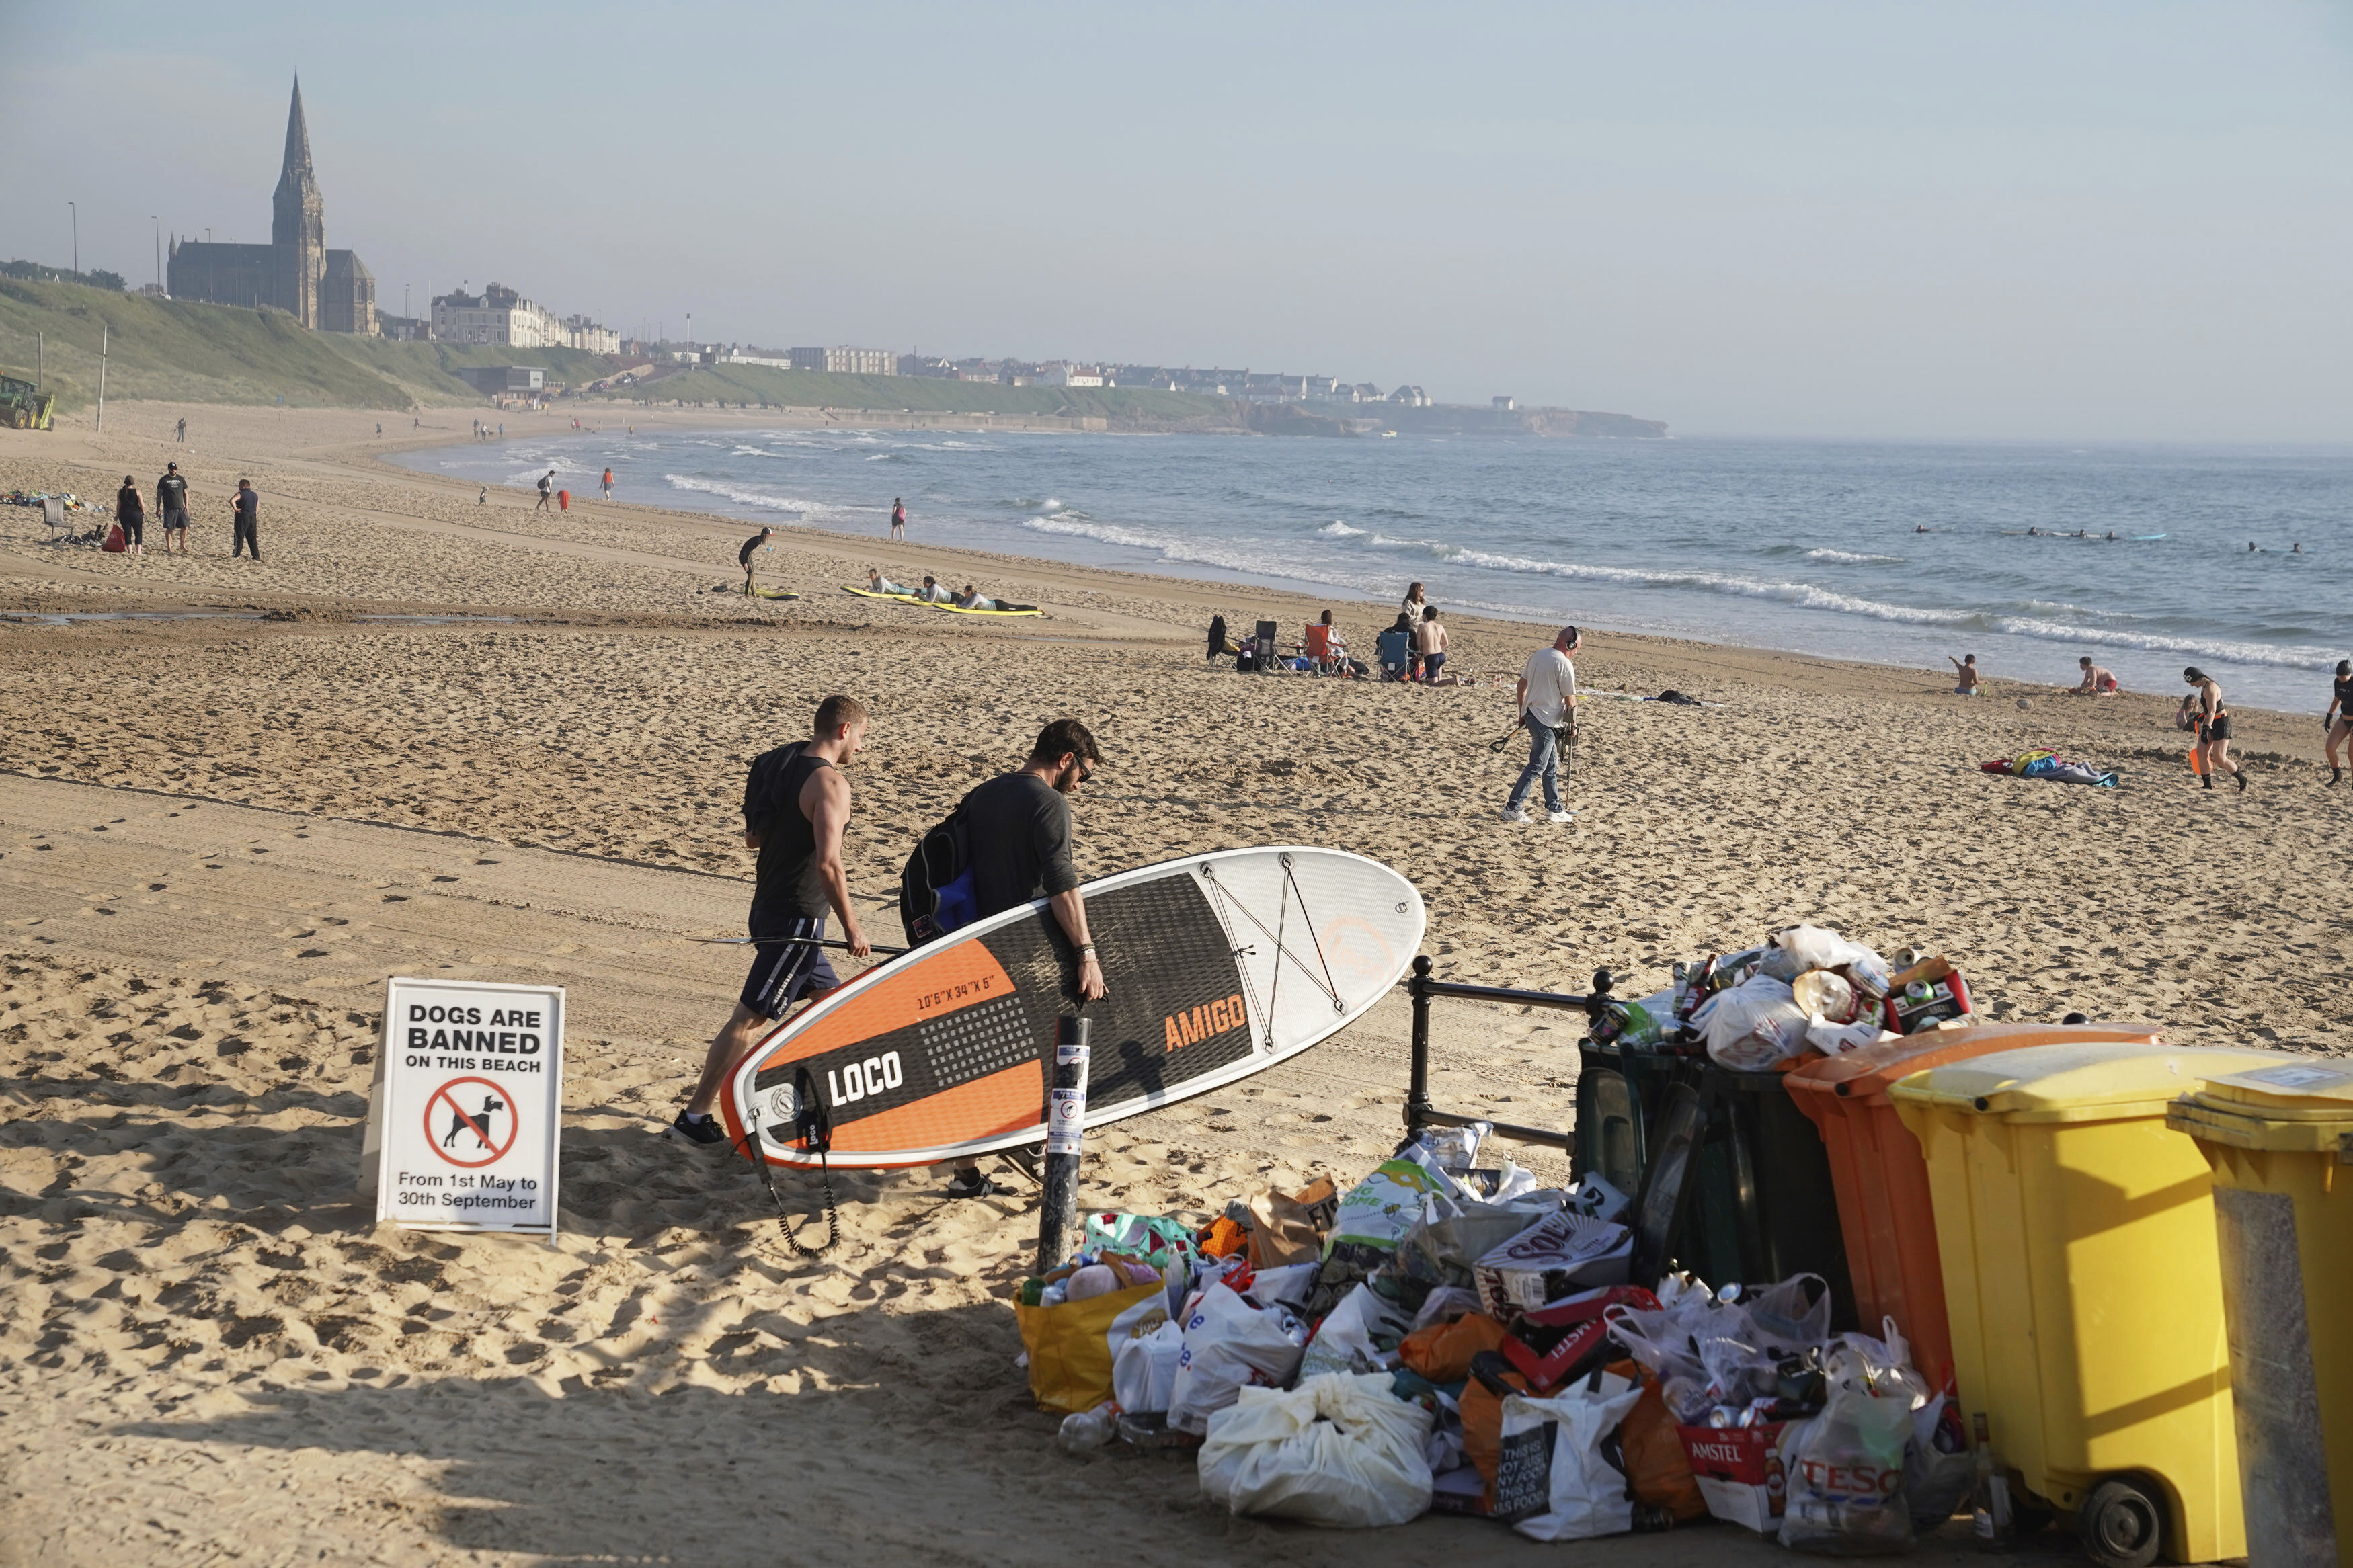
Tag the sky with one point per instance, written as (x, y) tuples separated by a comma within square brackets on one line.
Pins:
[(2061, 221)]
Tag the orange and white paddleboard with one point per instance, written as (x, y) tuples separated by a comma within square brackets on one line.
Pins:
[(1219, 966)]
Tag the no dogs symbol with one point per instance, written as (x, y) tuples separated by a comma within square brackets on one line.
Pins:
[(470, 1122)]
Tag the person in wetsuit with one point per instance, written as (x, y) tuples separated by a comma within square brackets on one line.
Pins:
[(743, 557), (796, 809)]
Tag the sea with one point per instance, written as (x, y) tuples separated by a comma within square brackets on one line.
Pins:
[(2027, 556)]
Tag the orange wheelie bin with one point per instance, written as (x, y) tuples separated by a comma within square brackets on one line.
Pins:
[(1880, 1180)]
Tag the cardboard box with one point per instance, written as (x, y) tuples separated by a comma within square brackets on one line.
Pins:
[(1739, 1472)]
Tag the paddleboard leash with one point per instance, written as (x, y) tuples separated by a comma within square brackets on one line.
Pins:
[(815, 1128)]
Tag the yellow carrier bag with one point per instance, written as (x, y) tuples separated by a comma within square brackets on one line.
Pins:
[(1071, 1346)]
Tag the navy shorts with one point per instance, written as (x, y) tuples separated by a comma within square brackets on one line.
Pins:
[(783, 971), (1431, 663)]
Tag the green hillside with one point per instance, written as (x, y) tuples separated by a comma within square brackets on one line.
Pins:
[(923, 394)]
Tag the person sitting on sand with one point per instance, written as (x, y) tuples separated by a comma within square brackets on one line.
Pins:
[(878, 584), (1429, 641), (931, 593), (1393, 650), (743, 557), (1324, 647), (2096, 683), (2213, 729), (1966, 669)]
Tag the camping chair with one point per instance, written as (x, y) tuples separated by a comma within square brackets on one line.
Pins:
[(1268, 633), (1317, 646), (1394, 648), (53, 513)]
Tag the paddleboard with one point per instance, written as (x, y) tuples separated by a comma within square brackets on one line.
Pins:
[(1219, 966), (2144, 538), (871, 594), (934, 605)]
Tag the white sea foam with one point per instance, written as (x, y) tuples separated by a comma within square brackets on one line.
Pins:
[(800, 508), (1852, 559), (1335, 529)]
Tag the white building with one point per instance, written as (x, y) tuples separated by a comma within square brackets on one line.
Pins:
[(846, 362), (1071, 376), (497, 315), (587, 336)]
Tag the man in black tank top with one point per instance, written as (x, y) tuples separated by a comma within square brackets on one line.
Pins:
[(795, 807)]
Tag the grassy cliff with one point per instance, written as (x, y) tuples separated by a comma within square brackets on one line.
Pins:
[(923, 394)]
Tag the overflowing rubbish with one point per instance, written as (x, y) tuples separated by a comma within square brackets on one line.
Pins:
[(2045, 764)]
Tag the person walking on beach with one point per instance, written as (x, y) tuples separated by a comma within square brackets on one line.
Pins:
[(609, 484), (2338, 723), (131, 513), (182, 436), (1966, 670), (751, 546), (898, 518), (2213, 729), (172, 505), (796, 809), (246, 520), (1548, 699), (1020, 832), (546, 489)]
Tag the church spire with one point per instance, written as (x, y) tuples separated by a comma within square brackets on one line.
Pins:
[(298, 141)]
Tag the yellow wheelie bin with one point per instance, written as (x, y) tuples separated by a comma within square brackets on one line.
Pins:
[(2280, 1138), (2083, 1288)]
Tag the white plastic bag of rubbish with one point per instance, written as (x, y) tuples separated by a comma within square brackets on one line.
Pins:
[(1444, 1304), (1359, 1335), (1938, 1470), (1753, 1026), (1288, 1283), (1144, 1369), (1819, 947), (1845, 1477), (1831, 1039), (1455, 1149), (1556, 1475), (1338, 1450), (1230, 1345)]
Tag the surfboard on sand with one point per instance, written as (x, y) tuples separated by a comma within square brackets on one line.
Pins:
[(1219, 965), (934, 605)]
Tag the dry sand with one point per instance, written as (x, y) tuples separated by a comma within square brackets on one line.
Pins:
[(222, 832)]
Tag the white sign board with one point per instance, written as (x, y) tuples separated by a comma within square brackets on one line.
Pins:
[(467, 1102)]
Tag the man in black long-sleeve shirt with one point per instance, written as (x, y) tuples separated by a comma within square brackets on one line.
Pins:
[(1020, 827), (247, 522)]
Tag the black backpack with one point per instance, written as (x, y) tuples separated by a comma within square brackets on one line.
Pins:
[(935, 888)]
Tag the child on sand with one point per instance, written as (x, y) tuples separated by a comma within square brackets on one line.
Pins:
[(2096, 683), (1965, 668)]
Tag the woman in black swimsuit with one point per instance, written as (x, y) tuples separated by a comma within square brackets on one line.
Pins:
[(2213, 728), (2338, 722)]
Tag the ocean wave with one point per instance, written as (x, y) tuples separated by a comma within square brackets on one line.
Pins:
[(1848, 557), (1335, 529), (2276, 656), (800, 508), (1201, 552)]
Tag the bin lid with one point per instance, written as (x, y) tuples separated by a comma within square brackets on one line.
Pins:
[(2298, 1103), (2094, 1081), (1866, 1075)]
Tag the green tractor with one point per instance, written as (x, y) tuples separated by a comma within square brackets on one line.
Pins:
[(24, 407)]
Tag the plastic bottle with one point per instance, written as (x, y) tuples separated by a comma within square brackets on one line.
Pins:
[(1990, 1508), (1089, 1429)]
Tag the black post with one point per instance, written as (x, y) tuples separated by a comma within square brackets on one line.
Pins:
[(1066, 1122), (1417, 1098)]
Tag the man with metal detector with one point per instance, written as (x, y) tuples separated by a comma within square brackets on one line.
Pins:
[(795, 807), (1548, 710)]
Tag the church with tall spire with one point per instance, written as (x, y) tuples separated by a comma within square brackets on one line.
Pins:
[(326, 290)]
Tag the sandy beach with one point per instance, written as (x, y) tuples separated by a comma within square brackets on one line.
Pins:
[(430, 734)]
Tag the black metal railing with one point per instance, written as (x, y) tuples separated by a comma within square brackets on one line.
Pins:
[(1420, 1112)]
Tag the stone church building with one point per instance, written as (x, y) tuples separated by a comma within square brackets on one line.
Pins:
[(295, 272)]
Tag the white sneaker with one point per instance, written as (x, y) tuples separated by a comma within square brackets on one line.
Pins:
[(1515, 816), (1560, 817)]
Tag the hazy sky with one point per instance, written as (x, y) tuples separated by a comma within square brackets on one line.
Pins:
[(2063, 220)]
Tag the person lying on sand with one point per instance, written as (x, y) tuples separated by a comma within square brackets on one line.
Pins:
[(878, 584), (973, 599), (2096, 683), (931, 593), (1966, 669)]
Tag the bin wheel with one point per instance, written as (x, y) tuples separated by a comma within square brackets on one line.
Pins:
[(2121, 1525)]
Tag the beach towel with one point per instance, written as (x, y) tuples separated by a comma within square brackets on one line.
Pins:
[(2046, 764)]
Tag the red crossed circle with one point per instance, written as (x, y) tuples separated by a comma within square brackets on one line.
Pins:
[(465, 1123)]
